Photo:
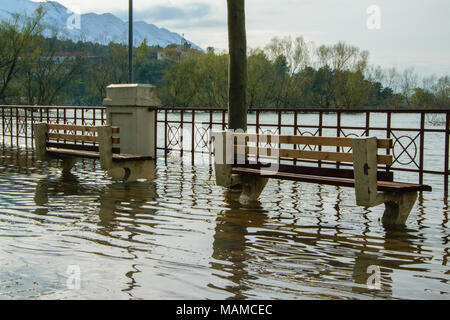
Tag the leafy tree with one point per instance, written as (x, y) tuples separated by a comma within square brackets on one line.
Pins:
[(15, 35), (422, 99), (45, 73)]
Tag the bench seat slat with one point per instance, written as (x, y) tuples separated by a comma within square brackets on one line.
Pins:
[(94, 155), (73, 153), (317, 171), (129, 157), (386, 186), (86, 147)]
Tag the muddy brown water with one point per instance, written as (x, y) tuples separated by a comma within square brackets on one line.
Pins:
[(179, 236)]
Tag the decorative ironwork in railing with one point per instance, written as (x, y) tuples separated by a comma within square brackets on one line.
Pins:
[(17, 121)]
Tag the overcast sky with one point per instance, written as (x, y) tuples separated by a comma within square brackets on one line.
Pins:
[(413, 32)]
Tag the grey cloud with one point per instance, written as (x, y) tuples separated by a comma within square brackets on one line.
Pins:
[(157, 13), (204, 23)]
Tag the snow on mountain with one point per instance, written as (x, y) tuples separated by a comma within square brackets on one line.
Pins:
[(100, 28)]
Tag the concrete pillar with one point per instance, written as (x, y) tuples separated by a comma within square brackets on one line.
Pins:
[(131, 107)]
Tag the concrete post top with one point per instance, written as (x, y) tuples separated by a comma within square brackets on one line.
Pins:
[(132, 95)]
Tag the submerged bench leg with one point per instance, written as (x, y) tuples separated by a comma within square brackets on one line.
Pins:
[(130, 171), (252, 187), (224, 178), (68, 164), (398, 207)]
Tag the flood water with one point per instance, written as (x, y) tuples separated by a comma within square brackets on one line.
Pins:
[(179, 236)]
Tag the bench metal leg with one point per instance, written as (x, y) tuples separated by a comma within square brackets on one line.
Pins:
[(252, 187), (398, 207), (68, 164)]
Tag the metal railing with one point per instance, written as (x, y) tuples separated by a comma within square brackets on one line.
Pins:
[(420, 137), (16, 121)]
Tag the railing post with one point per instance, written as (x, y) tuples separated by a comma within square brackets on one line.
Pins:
[(3, 125), (388, 135), (320, 134), (25, 129), (422, 146), (367, 123), (295, 132), (32, 131), (210, 147), (193, 138), (156, 133), (223, 120), (17, 127), (181, 134), (165, 134), (338, 132), (446, 161)]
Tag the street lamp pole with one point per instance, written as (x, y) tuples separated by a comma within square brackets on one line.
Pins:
[(130, 43)]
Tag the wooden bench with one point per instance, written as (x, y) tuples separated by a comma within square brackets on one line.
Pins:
[(71, 142), (237, 162)]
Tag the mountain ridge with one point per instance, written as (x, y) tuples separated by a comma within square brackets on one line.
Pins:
[(92, 27)]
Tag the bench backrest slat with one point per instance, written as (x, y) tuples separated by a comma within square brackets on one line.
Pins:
[(72, 137), (69, 133), (305, 154), (241, 139), (305, 140), (70, 127)]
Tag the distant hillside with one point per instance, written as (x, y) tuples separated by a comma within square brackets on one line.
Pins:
[(100, 28)]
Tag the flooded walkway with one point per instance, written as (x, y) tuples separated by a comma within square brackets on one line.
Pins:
[(180, 236)]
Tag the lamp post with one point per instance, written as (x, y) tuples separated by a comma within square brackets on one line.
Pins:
[(130, 43)]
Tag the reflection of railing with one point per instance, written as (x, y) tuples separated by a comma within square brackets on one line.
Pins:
[(187, 130)]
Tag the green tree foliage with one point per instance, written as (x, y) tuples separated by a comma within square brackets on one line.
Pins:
[(199, 81), (15, 37), (290, 73)]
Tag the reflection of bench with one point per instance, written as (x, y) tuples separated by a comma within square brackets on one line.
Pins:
[(70, 142), (237, 155)]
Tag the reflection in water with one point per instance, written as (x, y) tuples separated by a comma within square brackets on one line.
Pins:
[(400, 241), (229, 245), (178, 235), (133, 194)]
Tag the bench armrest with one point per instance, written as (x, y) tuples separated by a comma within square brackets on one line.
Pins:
[(365, 166), (40, 131), (105, 146)]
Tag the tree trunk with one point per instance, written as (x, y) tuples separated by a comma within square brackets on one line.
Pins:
[(237, 73)]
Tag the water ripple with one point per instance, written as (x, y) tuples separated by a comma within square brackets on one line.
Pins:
[(179, 236)]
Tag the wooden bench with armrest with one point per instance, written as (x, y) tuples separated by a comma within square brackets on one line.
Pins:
[(237, 155), (72, 142)]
